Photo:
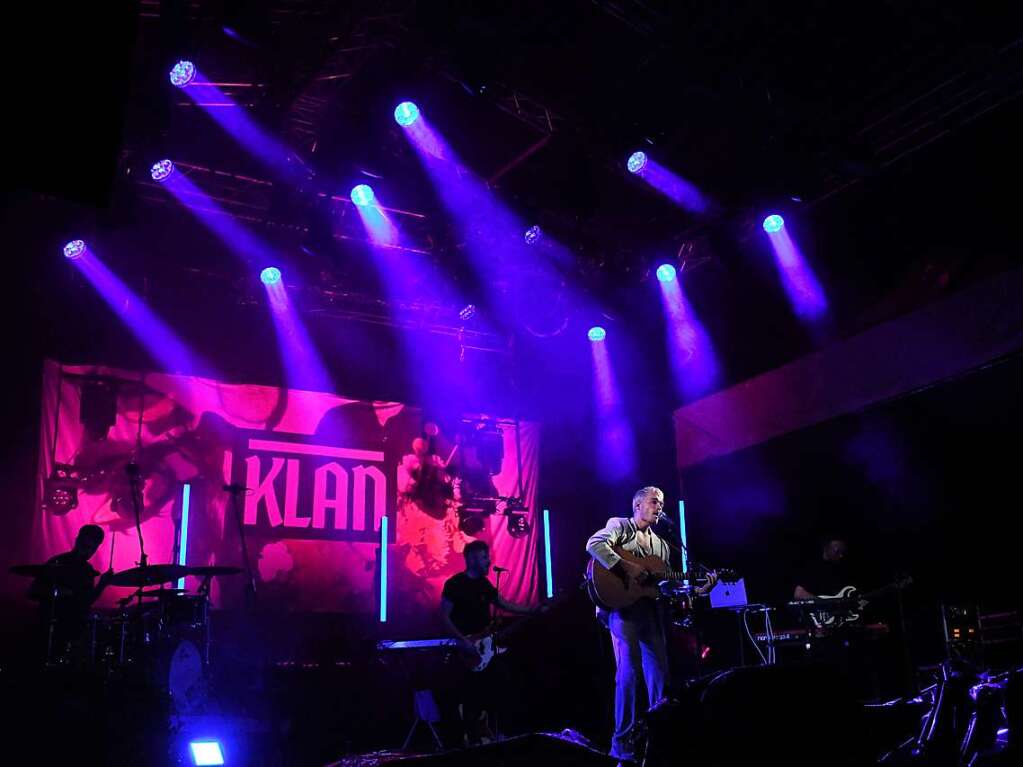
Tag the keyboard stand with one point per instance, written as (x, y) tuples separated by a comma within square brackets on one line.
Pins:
[(426, 711)]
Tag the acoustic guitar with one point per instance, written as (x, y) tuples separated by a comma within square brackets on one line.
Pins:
[(614, 591)]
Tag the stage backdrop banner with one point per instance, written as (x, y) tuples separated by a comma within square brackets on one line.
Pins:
[(320, 472)]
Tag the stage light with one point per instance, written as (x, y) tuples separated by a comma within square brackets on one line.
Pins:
[(773, 223), (60, 490), (471, 524), (206, 753), (270, 276), (533, 235), (637, 161), (596, 333), (182, 74), (161, 170), (467, 312), (518, 525), (406, 113), (362, 195), (74, 249), (665, 272)]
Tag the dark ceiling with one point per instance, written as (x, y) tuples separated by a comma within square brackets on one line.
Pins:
[(883, 131)]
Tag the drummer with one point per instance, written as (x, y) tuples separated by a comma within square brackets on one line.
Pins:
[(67, 595)]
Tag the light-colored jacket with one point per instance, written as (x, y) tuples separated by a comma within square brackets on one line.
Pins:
[(621, 531)]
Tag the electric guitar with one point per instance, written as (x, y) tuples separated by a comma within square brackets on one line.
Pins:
[(490, 643), (827, 619), (614, 591)]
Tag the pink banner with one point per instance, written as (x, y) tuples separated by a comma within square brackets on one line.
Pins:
[(320, 473)]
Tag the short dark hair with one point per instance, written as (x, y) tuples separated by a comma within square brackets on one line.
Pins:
[(473, 546), (90, 531)]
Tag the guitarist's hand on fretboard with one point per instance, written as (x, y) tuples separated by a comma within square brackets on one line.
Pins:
[(712, 580)]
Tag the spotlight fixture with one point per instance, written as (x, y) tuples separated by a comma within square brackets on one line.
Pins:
[(60, 489), (362, 195), (518, 518), (471, 522), (666, 273), (206, 753), (182, 74), (467, 312), (270, 276), (533, 235), (636, 163), (518, 525), (74, 249), (161, 170), (773, 223), (406, 113), (596, 333)]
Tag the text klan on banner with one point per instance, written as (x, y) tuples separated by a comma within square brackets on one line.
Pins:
[(318, 472)]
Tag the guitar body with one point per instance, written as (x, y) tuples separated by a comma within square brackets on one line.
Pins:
[(830, 620), (612, 591), (851, 594), (488, 649), (490, 643)]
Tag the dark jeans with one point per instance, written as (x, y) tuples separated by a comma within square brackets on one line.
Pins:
[(481, 696), (637, 637)]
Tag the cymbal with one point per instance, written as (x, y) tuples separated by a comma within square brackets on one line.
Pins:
[(150, 575), (45, 571), (160, 592), (214, 570)]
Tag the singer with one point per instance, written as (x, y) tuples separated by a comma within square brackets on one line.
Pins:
[(637, 632)]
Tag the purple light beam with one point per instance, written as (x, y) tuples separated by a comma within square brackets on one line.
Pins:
[(302, 364), (242, 128), (693, 362), (172, 354), (616, 449), (804, 291), (683, 193)]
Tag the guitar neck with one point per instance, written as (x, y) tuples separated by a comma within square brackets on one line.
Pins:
[(894, 586), (675, 575)]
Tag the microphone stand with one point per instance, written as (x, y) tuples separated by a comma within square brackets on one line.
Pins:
[(135, 481), (250, 585), (498, 572), (682, 550)]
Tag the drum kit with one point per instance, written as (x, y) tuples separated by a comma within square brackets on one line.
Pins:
[(158, 634)]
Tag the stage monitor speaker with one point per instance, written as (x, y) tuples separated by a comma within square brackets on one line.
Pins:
[(794, 715)]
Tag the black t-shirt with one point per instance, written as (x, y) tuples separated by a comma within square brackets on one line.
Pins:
[(76, 583), (823, 578), (471, 599)]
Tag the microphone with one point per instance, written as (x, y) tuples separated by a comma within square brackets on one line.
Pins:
[(662, 517), (500, 569)]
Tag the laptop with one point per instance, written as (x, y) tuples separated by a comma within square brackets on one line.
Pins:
[(729, 594)]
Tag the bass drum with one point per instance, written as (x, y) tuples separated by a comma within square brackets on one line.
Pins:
[(186, 679)]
